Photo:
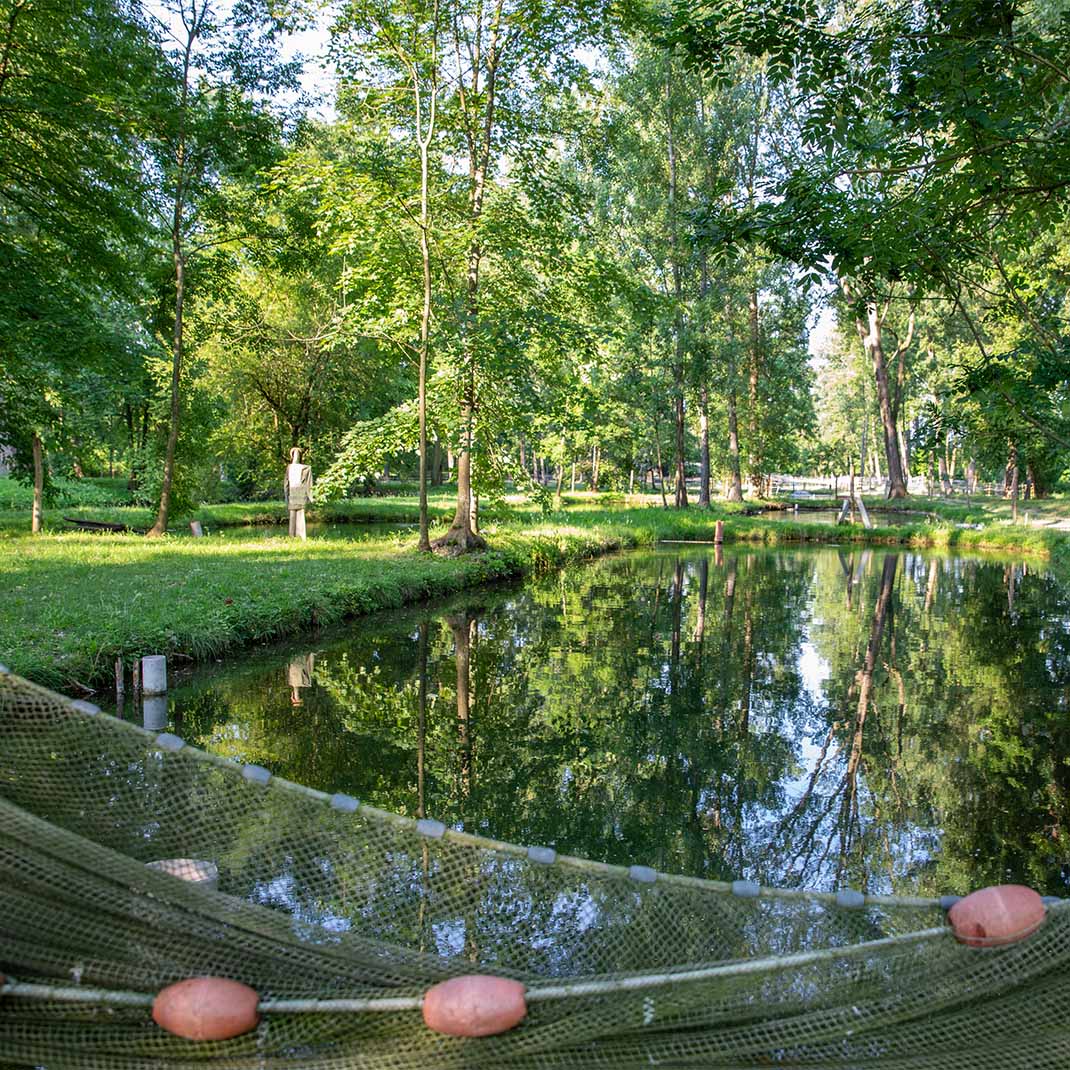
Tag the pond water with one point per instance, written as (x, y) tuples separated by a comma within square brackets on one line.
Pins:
[(822, 718)]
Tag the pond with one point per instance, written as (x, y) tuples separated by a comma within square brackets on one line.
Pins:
[(889, 721)]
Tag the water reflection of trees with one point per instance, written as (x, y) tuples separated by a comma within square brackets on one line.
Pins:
[(883, 721)]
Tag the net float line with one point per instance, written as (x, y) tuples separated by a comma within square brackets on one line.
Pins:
[(534, 993)]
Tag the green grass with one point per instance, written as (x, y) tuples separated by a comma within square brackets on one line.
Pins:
[(381, 509), (74, 602), (234, 514)]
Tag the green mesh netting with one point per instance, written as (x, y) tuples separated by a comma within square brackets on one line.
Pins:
[(319, 901)]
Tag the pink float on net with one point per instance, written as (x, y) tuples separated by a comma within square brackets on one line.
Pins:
[(207, 1008), (996, 916), (474, 1006)]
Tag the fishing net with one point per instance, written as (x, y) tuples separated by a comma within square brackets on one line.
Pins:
[(320, 898)]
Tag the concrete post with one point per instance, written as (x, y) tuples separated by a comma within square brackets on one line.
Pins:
[(154, 674), (154, 712)]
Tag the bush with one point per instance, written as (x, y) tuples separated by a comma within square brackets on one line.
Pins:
[(99, 492)]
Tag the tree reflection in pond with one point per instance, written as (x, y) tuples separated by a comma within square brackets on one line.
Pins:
[(828, 718)]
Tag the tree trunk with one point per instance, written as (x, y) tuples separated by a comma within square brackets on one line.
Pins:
[(899, 393), (754, 458), (735, 485), (679, 469), (436, 464), (704, 443), (971, 477), (424, 138), (862, 449), (1013, 464), (1031, 477), (178, 256), (904, 452), (869, 326), (896, 483), (661, 470), (424, 544), (160, 526), (38, 485), (460, 537), (945, 486), (734, 481)]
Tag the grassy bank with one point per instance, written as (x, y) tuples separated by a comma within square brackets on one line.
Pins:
[(74, 602), (381, 509)]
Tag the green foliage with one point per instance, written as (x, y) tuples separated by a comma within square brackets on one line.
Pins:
[(72, 229), (626, 238)]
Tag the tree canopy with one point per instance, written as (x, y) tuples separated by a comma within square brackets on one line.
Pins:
[(522, 245)]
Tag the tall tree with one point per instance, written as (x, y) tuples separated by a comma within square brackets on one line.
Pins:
[(403, 55), (213, 121), (510, 62), (73, 82)]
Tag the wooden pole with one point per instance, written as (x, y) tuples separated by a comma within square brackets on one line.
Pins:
[(38, 485)]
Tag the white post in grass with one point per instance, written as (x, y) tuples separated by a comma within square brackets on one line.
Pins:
[(154, 674)]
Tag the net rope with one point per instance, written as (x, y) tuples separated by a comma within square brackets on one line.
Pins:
[(341, 916)]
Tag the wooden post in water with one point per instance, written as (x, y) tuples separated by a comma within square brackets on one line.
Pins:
[(119, 687), (718, 533), (866, 522)]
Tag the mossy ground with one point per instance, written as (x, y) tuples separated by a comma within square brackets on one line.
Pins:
[(75, 601)]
